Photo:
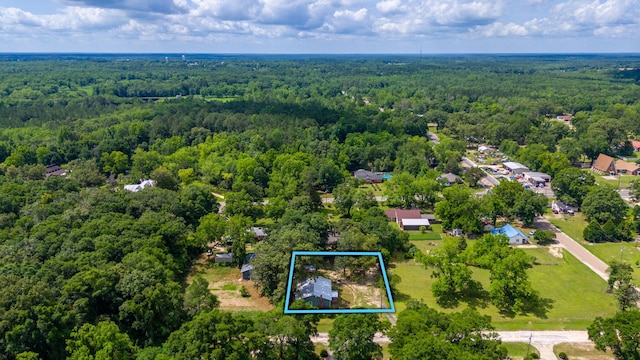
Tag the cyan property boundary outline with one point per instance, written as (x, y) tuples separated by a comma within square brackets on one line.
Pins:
[(391, 308)]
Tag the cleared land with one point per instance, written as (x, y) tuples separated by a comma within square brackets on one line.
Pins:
[(225, 282), (581, 351), (576, 293)]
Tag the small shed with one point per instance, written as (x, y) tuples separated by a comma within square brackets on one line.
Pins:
[(246, 271)]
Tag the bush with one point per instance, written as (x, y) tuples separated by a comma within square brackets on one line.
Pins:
[(544, 237), (563, 356), (244, 292), (324, 353)]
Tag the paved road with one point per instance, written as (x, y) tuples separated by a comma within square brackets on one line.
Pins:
[(541, 340), (598, 266)]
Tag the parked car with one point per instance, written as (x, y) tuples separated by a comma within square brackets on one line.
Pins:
[(570, 212), (532, 232)]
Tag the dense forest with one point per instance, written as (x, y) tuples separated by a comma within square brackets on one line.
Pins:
[(89, 270)]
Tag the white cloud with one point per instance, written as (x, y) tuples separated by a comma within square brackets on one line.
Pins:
[(500, 29), (348, 22), (227, 10), (390, 7)]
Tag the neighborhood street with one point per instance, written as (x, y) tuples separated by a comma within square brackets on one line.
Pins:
[(541, 340), (598, 266)]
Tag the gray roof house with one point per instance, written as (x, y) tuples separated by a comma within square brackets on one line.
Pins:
[(367, 176), (317, 292), (449, 179)]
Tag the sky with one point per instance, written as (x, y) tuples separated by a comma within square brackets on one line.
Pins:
[(320, 26)]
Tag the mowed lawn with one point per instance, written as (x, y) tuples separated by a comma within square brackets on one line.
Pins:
[(628, 251), (570, 225), (617, 181), (577, 295)]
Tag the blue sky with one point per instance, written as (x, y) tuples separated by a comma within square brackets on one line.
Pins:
[(320, 26)]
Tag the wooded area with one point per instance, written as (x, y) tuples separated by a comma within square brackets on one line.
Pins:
[(83, 260)]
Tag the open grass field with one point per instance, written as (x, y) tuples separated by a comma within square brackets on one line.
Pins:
[(518, 351), (616, 182), (570, 225), (574, 225), (629, 253), (582, 352), (576, 293)]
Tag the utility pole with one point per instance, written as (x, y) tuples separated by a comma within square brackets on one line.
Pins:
[(528, 346)]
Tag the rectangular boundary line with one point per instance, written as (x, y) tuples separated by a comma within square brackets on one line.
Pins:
[(392, 308)]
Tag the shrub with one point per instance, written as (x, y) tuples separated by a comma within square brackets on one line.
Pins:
[(563, 356), (324, 353), (244, 292)]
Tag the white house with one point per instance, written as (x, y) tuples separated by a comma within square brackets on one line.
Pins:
[(138, 187)]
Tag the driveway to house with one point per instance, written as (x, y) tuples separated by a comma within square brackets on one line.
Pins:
[(541, 340), (598, 266)]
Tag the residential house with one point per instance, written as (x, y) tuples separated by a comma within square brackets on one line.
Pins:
[(604, 164), (625, 167), (564, 117), (449, 179), (636, 145), (432, 218), (516, 237), (369, 177), (259, 233), (486, 149), (515, 167), (317, 292), (558, 207), (407, 219), (138, 187), (54, 170)]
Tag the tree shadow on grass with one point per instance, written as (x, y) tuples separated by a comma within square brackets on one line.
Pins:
[(539, 307)]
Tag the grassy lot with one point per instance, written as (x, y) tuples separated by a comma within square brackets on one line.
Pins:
[(616, 182), (428, 235), (574, 225), (575, 292), (424, 245), (582, 351), (612, 251), (570, 225), (520, 350)]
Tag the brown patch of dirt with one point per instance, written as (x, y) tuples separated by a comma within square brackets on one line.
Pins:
[(230, 300), (556, 251), (364, 293)]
